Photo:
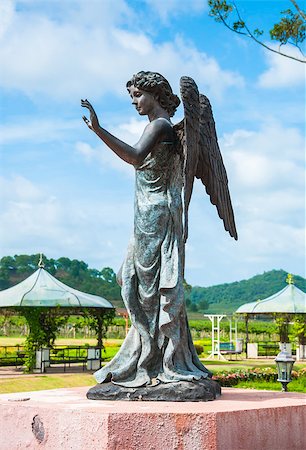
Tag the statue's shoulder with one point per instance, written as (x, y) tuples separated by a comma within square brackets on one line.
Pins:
[(160, 124), (161, 127)]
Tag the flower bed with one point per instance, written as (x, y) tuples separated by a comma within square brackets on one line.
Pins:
[(232, 378)]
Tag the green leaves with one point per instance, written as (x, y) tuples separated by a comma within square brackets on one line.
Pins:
[(290, 29), (299, 328), (43, 326), (220, 10), (239, 25)]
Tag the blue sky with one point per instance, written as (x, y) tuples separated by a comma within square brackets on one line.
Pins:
[(64, 193)]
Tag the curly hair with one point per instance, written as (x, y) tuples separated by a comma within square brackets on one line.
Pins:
[(158, 86)]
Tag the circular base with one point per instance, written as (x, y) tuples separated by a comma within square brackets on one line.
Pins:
[(181, 391)]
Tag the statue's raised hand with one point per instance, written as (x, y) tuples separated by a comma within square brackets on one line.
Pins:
[(93, 123)]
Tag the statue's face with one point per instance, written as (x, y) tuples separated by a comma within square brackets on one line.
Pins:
[(143, 101)]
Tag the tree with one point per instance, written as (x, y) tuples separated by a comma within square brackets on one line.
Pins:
[(193, 307), (99, 321), (290, 29), (108, 275), (299, 328), (43, 324), (282, 323), (203, 305)]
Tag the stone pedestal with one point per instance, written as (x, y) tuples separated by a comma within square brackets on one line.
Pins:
[(65, 419)]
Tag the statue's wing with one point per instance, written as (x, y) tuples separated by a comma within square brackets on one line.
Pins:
[(211, 170), (188, 131), (202, 156)]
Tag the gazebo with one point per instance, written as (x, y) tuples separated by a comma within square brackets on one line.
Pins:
[(42, 290), (287, 302), (290, 300)]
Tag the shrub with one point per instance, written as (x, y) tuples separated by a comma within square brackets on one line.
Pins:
[(199, 348), (228, 379)]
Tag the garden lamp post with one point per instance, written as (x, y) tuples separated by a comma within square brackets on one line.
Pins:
[(284, 363)]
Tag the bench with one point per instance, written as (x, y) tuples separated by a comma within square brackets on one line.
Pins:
[(7, 361), (66, 361), (269, 349), (228, 348)]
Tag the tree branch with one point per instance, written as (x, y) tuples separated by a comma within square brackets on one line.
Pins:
[(301, 13), (253, 37)]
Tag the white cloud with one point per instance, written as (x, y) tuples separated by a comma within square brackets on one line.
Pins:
[(19, 188), (65, 59), (128, 132), (104, 157), (6, 15), (272, 156), (85, 150), (282, 72), (268, 237), (131, 131), (36, 130), (266, 180), (33, 220)]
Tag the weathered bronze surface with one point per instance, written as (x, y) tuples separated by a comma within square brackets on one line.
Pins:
[(167, 158), (181, 391)]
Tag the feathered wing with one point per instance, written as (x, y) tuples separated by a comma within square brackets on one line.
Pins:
[(188, 131), (202, 156), (211, 170)]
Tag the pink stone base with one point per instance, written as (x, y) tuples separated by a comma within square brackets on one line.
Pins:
[(239, 420)]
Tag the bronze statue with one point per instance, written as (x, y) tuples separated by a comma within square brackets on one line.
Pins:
[(158, 348)]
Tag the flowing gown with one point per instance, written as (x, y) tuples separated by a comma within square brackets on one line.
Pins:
[(158, 345)]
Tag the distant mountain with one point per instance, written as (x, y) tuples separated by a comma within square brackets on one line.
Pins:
[(226, 298), (223, 298)]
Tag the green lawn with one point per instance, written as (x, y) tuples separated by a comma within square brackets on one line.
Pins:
[(293, 386), (61, 341), (42, 382), (56, 381)]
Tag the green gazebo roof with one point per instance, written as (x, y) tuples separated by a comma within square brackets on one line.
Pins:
[(42, 289), (290, 300)]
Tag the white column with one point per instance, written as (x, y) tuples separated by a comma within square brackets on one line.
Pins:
[(215, 340)]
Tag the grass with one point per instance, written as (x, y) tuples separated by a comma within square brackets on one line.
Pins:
[(44, 382), (7, 341), (56, 381), (293, 386), (4, 340)]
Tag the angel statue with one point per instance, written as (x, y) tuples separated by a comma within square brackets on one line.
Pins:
[(158, 349)]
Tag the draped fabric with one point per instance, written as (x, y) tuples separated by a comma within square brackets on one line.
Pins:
[(158, 345)]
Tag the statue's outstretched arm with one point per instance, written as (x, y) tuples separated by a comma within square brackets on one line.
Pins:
[(154, 132)]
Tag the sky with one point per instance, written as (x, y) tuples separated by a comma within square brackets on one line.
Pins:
[(63, 193)]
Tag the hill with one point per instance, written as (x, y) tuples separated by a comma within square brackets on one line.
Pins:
[(226, 298), (223, 298)]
